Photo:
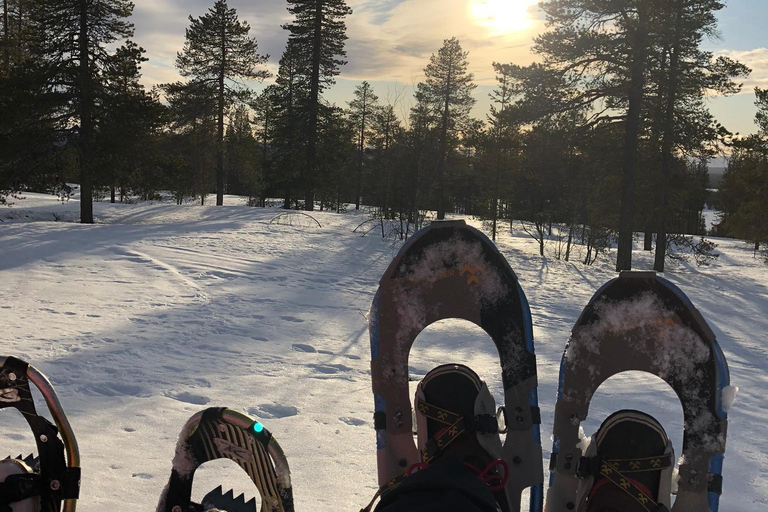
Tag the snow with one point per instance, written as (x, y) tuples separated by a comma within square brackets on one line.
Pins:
[(729, 397), (158, 309)]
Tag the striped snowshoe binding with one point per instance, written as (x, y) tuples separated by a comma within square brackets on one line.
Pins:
[(456, 414), (219, 433), (627, 466)]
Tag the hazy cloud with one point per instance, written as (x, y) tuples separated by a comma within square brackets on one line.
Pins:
[(757, 60)]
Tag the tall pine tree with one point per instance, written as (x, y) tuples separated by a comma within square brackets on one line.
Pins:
[(447, 89), (218, 51), (604, 47), (318, 32), (361, 111), (71, 56)]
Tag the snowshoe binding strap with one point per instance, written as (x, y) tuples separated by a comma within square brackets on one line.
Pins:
[(610, 471), (58, 478), (219, 433), (455, 426), (592, 466)]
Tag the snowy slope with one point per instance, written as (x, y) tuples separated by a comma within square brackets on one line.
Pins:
[(159, 310)]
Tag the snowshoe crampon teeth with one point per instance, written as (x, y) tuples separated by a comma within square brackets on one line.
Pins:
[(217, 499), (30, 460)]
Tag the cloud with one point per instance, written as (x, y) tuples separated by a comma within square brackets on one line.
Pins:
[(395, 38), (757, 60)]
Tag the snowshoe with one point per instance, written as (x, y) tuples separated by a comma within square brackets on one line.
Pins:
[(218, 433), (451, 270), (628, 466), (639, 321), (51, 480)]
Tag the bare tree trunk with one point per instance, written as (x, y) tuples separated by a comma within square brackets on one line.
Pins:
[(570, 239), (631, 140), (220, 125), (314, 98), (6, 38), (667, 158), (360, 155), (648, 239), (112, 195), (444, 148), (86, 119)]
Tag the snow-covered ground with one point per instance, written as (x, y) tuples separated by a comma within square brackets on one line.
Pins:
[(160, 310)]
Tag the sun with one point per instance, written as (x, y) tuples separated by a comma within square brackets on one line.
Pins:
[(502, 16)]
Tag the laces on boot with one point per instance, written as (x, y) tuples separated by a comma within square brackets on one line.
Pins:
[(490, 476)]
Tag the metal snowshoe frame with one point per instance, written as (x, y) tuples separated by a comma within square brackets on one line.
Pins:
[(700, 481), (59, 479), (451, 270), (220, 433)]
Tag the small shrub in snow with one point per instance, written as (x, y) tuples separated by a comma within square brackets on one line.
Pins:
[(682, 247)]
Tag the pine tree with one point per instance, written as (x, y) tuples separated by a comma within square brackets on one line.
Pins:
[(265, 112), (244, 175), (218, 51), (387, 185), (130, 120), (70, 55), (687, 73), (193, 140), (318, 32), (504, 128), (447, 88), (290, 122), (604, 47), (361, 111)]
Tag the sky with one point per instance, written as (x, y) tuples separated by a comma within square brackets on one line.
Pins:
[(390, 42)]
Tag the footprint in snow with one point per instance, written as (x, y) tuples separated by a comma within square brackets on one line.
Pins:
[(273, 411), (355, 422), (114, 389), (301, 347), (129, 429), (330, 369), (145, 476), (293, 319), (189, 398)]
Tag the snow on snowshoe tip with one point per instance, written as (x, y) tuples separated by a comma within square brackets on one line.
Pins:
[(52, 480), (219, 433), (640, 321), (451, 270)]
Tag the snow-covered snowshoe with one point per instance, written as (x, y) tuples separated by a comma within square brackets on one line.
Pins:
[(640, 321), (218, 433), (451, 270), (628, 466), (51, 480)]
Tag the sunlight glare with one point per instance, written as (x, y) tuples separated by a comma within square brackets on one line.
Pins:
[(502, 16)]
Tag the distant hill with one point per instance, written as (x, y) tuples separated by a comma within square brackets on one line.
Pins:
[(715, 176)]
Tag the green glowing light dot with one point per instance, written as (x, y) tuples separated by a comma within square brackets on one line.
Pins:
[(258, 427)]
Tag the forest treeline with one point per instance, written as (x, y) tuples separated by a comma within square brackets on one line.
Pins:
[(607, 135)]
